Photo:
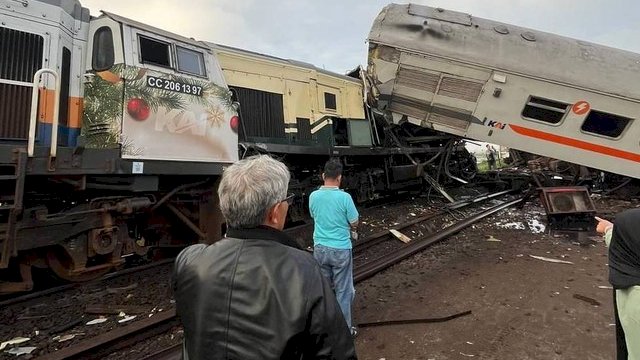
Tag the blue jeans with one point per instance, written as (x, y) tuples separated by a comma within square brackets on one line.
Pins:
[(337, 266)]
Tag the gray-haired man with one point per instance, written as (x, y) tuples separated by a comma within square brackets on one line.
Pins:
[(256, 294)]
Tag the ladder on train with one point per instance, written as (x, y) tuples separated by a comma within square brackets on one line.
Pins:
[(11, 205)]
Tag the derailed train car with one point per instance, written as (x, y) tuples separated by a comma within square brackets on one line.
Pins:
[(305, 115), (529, 90), (112, 136)]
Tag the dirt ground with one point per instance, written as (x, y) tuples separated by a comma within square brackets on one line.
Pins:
[(522, 307)]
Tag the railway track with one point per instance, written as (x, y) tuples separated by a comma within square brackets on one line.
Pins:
[(61, 288), (122, 337)]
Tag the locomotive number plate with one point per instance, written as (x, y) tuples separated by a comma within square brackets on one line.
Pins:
[(176, 86)]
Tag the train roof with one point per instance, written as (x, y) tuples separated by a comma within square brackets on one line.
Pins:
[(288, 62), (486, 43), (155, 30)]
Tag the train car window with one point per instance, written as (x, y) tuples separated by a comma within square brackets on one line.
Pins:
[(190, 62), (103, 55), (601, 123), (330, 101), (545, 110), (154, 52)]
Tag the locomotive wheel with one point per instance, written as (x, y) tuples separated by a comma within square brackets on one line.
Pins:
[(62, 265)]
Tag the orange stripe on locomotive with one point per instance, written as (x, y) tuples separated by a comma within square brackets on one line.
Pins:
[(68, 128)]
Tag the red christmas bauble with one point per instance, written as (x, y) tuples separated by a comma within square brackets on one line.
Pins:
[(138, 109), (234, 123)]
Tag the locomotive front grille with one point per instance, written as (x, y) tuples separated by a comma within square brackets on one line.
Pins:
[(20, 58)]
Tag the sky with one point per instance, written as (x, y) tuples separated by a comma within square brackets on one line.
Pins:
[(331, 34)]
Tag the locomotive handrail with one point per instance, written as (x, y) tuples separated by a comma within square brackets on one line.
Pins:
[(34, 112)]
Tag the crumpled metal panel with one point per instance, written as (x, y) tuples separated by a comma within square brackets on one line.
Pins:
[(420, 30)]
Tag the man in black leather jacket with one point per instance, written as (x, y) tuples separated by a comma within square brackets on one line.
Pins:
[(256, 294)]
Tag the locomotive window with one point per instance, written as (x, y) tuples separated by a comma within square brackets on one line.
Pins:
[(545, 110), (601, 123), (154, 52), (330, 101), (103, 54), (189, 61)]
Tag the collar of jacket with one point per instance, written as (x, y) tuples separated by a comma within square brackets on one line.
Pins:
[(263, 232)]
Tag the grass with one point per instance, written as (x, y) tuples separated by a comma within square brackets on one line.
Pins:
[(483, 166)]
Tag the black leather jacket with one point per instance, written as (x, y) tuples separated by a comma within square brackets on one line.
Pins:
[(257, 295)]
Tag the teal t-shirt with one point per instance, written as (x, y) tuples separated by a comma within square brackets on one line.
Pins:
[(332, 211)]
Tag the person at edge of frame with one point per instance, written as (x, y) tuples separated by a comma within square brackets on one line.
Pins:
[(256, 294), (623, 240), (335, 222)]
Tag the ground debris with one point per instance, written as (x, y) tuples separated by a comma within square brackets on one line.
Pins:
[(96, 321), (21, 350), (127, 318), (119, 290), (14, 341), (587, 299), (400, 236), (551, 260)]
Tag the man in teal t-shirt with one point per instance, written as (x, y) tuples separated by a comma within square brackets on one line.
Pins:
[(335, 216)]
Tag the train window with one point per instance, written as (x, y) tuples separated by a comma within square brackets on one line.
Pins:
[(330, 101), (103, 55), (154, 52), (189, 61), (545, 110), (601, 123)]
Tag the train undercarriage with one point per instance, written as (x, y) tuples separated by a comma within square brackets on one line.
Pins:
[(81, 226)]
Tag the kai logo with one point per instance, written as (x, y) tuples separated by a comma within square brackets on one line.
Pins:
[(494, 124), (183, 123)]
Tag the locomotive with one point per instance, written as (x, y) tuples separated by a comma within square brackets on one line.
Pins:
[(304, 115), (113, 135)]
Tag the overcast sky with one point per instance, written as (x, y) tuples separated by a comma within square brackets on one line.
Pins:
[(332, 33)]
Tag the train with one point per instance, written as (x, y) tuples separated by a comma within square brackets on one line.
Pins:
[(114, 133), (305, 115), (528, 90), (113, 137)]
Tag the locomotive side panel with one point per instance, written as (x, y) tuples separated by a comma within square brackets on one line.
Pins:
[(317, 107)]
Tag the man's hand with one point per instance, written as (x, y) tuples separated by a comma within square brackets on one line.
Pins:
[(603, 225)]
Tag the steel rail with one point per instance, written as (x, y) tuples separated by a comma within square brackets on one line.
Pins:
[(373, 267), (139, 330), (380, 236), (57, 289), (97, 346)]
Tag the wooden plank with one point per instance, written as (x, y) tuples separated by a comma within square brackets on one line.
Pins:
[(400, 236)]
